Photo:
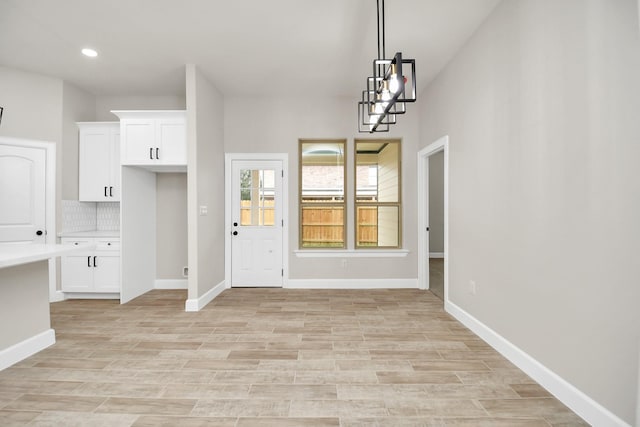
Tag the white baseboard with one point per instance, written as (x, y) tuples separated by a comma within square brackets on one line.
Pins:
[(171, 284), (91, 295), (583, 405), (351, 284), (17, 352), (436, 254), (57, 296), (196, 304)]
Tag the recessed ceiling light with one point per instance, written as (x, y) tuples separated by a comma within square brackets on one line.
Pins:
[(89, 52)]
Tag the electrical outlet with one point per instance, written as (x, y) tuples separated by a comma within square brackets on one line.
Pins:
[(204, 210), (473, 287)]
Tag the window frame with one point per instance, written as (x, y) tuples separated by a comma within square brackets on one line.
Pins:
[(343, 204), (357, 204)]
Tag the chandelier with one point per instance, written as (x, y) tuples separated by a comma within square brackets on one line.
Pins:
[(391, 86)]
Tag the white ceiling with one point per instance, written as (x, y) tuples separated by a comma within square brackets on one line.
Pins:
[(260, 47)]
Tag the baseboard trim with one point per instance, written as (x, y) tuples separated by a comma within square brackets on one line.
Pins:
[(171, 284), (91, 295), (587, 408), (351, 284), (196, 304), (57, 296), (436, 254), (26, 348)]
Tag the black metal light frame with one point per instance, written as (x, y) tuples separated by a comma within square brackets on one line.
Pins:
[(375, 113)]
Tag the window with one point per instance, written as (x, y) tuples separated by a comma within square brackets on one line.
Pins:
[(378, 193), (322, 194), (257, 188)]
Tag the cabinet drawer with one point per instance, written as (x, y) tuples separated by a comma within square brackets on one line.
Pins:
[(76, 242), (107, 244)]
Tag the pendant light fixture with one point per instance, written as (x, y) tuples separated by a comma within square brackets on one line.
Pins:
[(391, 86)]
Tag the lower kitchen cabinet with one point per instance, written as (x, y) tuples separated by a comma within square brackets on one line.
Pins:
[(94, 271)]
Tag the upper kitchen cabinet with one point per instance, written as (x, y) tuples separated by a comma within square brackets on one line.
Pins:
[(156, 140), (99, 173)]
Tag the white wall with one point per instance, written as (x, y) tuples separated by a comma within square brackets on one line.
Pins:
[(77, 106), (171, 225), (541, 107), (205, 136), (274, 125), (106, 103), (32, 105)]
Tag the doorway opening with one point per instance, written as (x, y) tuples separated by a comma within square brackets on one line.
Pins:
[(433, 222)]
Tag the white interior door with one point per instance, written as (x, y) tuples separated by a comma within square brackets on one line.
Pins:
[(257, 227), (22, 194)]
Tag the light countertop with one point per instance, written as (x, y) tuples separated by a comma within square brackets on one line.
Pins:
[(92, 233), (22, 253)]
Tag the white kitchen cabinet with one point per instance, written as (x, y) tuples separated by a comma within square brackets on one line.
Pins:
[(99, 162), (155, 139), (93, 271)]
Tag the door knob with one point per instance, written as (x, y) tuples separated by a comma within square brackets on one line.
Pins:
[(235, 233), (235, 224), (39, 232)]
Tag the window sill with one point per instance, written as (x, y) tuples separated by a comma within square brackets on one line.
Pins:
[(351, 253)]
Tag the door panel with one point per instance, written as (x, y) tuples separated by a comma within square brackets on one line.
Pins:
[(95, 168), (106, 275), (77, 271), (256, 244), (139, 137), (172, 135), (22, 194)]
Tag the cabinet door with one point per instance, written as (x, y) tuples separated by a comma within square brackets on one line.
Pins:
[(95, 165), (114, 186), (138, 141), (106, 276), (77, 272), (172, 140)]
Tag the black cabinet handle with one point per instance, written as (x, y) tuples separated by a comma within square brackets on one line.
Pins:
[(151, 153), (105, 191), (88, 261), (110, 191), (157, 153), (94, 261)]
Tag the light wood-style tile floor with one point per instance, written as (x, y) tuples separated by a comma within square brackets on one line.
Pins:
[(271, 357)]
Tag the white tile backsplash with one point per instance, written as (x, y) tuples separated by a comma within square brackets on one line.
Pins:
[(78, 216), (108, 216), (88, 216)]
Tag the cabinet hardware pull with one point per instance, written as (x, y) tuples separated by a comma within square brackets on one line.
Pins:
[(105, 191), (151, 153), (110, 191), (88, 261), (157, 153), (94, 261)]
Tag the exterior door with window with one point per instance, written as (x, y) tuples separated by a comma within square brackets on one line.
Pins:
[(22, 194), (257, 227)]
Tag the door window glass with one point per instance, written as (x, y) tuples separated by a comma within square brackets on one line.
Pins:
[(257, 189)]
